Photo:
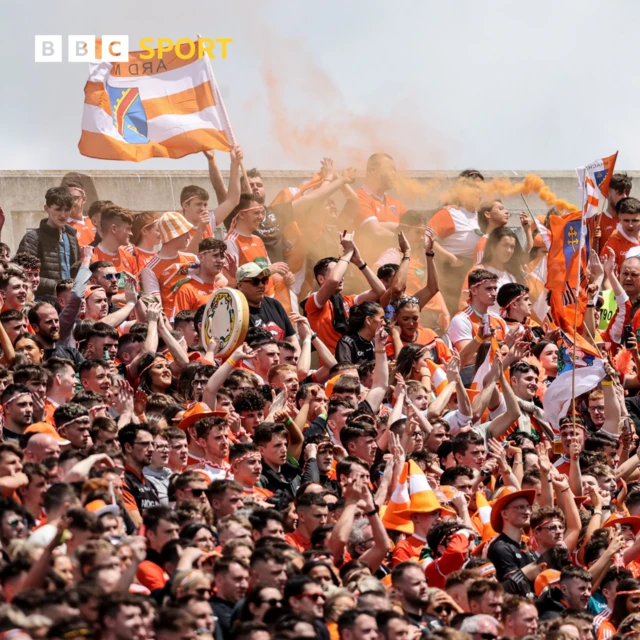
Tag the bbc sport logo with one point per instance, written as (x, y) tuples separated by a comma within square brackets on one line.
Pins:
[(114, 48)]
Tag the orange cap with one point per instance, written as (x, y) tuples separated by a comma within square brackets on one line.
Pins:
[(195, 412), (545, 580), (45, 427), (100, 507)]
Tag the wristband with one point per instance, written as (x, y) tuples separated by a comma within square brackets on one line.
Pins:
[(306, 341), (590, 305), (374, 512), (607, 383), (429, 254), (478, 339), (406, 258), (232, 362), (314, 336), (380, 351), (288, 421), (516, 462), (363, 267), (597, 513), (344, 260)]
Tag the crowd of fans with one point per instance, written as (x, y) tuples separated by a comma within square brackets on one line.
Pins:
[(364, 465)]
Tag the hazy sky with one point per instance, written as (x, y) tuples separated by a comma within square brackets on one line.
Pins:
[(538, 84)]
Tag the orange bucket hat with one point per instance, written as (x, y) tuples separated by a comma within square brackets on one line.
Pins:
[(172, 225), (507, 495), (195, 412)]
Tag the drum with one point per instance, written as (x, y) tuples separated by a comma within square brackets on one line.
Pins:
[(226, 319)]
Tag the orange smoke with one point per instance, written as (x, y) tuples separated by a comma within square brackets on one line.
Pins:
[(471, 193)]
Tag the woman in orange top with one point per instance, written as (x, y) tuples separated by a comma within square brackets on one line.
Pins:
[(627, 602), (407, 330), (145, 237)]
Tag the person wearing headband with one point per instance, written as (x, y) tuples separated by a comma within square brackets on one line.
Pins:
[(17, 406), (515, 307), (466, 330), (145, 237), (196, 289)]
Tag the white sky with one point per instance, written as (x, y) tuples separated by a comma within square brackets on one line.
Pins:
[(541, 84)]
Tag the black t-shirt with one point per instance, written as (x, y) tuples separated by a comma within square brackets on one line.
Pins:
[(508, 555), (272, 317), (354, 349)]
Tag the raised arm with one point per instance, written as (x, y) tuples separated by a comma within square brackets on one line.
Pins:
[(243, 352), (333, 281), (377, 288), (222, 211), (399, 282), (500, 424), (216, 177), (306, 202), (116, 318), (431, 287), (380, 376)]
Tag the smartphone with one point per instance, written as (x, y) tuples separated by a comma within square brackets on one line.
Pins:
[(626, 335)]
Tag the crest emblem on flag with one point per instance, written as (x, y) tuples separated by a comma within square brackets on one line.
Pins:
[(129, 117)]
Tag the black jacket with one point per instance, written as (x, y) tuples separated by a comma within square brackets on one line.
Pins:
[(44, 243)]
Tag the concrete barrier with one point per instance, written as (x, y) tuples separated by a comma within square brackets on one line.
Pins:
[(22, 192)]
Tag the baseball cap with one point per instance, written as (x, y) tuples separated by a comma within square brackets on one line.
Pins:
[(45, 427), (251, 270)]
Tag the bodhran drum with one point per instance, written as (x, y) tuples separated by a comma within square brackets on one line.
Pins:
[(225, 319)]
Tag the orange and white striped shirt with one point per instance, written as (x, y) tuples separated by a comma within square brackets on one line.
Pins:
[(456, 230), (161, 275)]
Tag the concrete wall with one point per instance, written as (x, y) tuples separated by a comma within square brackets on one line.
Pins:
[(22, 192)]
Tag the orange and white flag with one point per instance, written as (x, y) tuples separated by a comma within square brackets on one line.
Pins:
[(412, 481), (167, 107)]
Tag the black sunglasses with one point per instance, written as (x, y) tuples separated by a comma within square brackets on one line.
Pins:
[(273, 602), (257, 281), (196, 493)]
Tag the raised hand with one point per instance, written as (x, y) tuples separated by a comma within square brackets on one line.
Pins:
[(346, 241), (453, 367), (349, 175), (327, 169), (130, 290), (403, 244), (608, 261), (237, 156), (279, 268), (154, 309), (525, 221), (543, 458), (428, 243), (244, 352), (380, 339)]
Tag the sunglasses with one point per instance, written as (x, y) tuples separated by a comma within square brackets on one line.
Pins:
[(313, 596), (196, 493), (14, 522), (403, 302), (273, 602), (486, 636), (257, 281), (112, 276), (442, 609)]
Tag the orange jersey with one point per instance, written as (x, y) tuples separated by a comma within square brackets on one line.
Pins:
[(408, 549), (49, 409), (480, 246), (242, 249), (607, 227), (86, 230), (620, 243), (428, 338), (122, 260), (192, 294), (373, 207), (207, 233), (297, 540), (161, 275), (321, 319), (257, 492), (143, 257)]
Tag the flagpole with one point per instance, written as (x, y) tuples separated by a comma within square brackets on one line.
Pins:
[(526, 204), (575, 313), (220, 101)]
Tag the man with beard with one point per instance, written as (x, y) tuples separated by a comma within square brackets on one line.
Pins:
[(45, 322), (137, 444), (409, 586)]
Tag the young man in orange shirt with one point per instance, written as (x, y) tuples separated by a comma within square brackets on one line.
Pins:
[(242, 244), (197, 288), (327, 321), (115, 228), (624, 241), (312, 513), (378, 214), (246, 467), (170, 266), (619, 188), (212, 434), (83, 225)]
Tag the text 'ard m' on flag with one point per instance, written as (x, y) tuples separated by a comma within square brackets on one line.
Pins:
[(171, 109), (593, 183), (567, 263)]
